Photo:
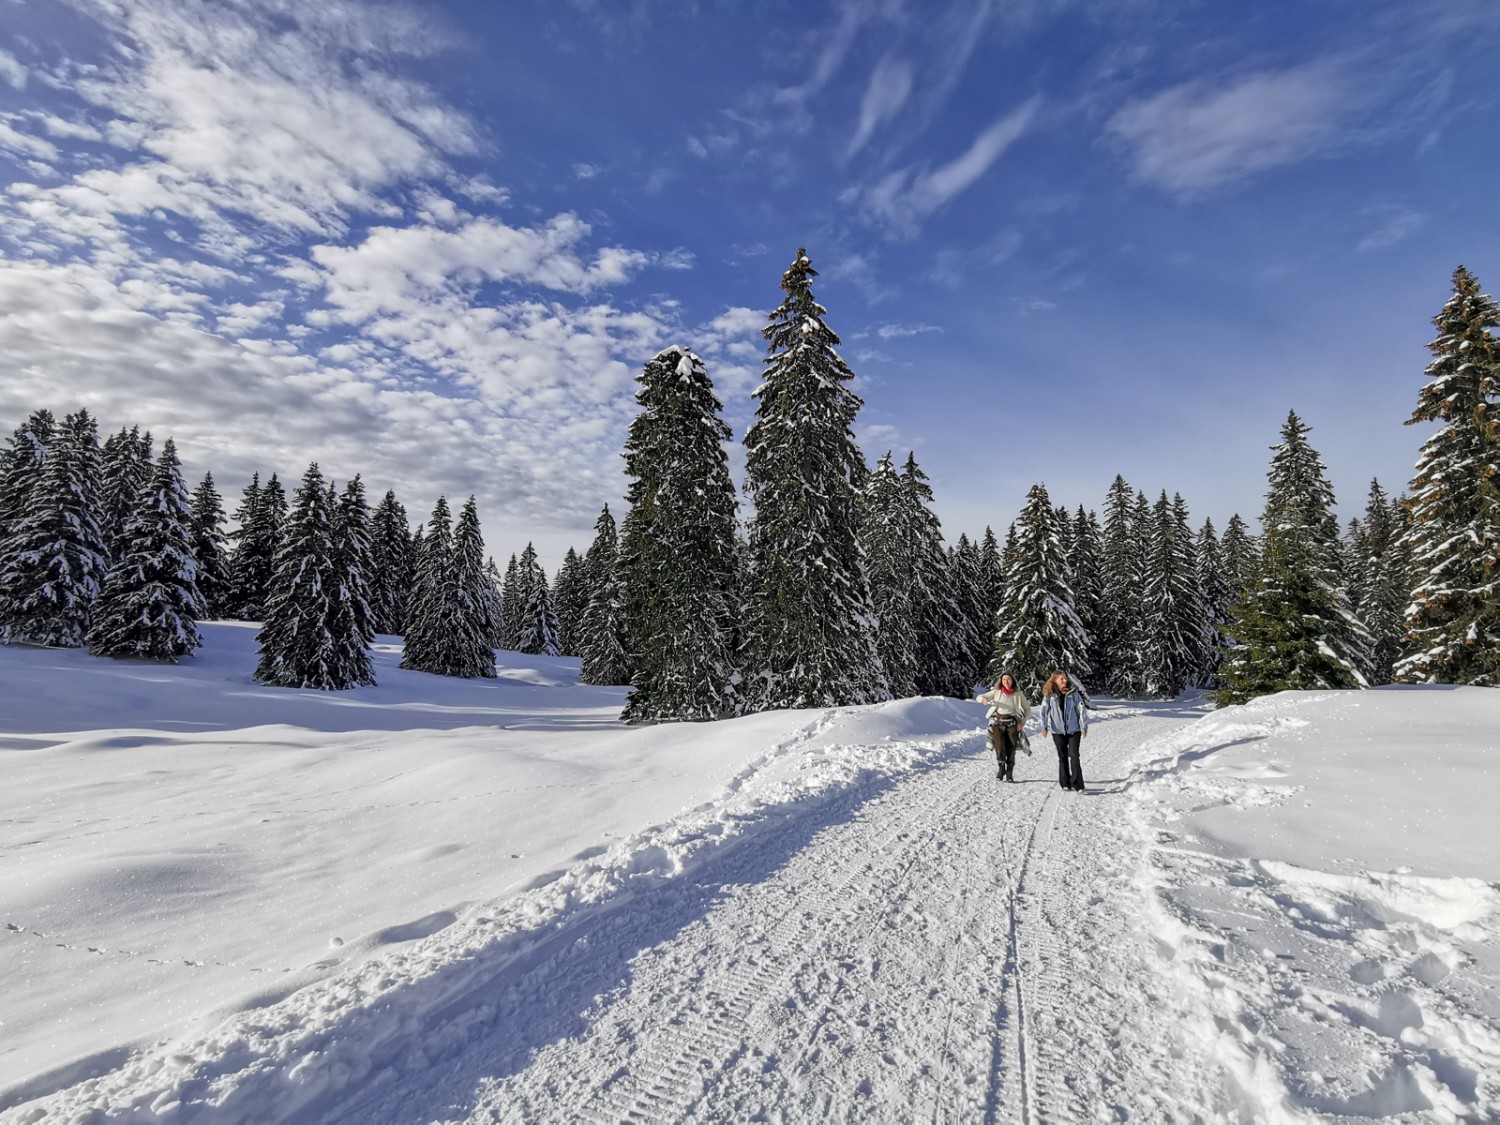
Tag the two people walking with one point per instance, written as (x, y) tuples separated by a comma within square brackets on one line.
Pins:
[(1065, 717)]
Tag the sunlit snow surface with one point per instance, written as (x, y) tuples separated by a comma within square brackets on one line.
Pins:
[(488, 900)]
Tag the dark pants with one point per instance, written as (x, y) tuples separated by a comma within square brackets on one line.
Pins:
[(1004, 739), (1069, 768)]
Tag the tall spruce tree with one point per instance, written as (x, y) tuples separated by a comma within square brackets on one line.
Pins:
[(390, 576), (942, 664), (263, 517), (966, 563), (125, 466), (472, 624), (150, 602), (1454, 539), (885, 537), (297, 645), (991, 583), (1176, 632), (494, 587), (1294, 629), (1088, 573), (210, 550), (1218, 596), (448, 631), (21, 469), (570, 597), (538, 633), (1037, 631), (512, 606), (1241, 557), (677, 546), (424, 648), (1118, 662), (603, 638), (812, 629), (1379, 586), (352, 625), (54, 561)]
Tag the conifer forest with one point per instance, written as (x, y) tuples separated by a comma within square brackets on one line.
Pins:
[(822, 580)]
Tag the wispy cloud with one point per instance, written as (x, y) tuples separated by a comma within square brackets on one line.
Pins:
[(905, 198), (889, 87), (1392, 225), (896, 331), (1195, 138)]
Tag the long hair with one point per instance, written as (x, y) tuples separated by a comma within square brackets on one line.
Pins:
[(1052, 685)]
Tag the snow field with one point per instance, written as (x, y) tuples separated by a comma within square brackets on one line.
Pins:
[(1318, 892), (1278, 912)]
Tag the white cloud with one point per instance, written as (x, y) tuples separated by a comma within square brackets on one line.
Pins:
[(586, 171), (906, 197), (1194, 138), (438, 350), (889, 87), (12, 70), (896, 331)]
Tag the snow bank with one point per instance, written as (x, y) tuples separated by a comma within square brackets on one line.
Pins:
[(302, 896), (1322, 869)]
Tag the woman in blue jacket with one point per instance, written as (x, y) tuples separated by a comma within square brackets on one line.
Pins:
[(1065, 716)]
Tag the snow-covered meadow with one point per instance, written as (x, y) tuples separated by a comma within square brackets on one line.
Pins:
[(439, 899)]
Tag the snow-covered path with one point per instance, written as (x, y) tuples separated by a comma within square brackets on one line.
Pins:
[(952, 948)]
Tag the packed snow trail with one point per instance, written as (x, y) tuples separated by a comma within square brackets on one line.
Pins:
[(955, 948)]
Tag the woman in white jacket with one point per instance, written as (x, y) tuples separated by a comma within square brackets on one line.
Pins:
[(1009, 710)]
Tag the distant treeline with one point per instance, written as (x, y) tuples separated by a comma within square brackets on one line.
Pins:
[(839, 590)]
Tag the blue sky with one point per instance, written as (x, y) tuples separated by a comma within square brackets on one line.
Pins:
[(433, 243)]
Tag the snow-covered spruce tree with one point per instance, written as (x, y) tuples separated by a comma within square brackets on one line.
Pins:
[(942, 664), (210, 550), (603, 640), (570, 598), (676, 561), (263, 519), (1088, 575), (390, 575), (125, 468), (150, 603), (423, 646), (1379, 588), (447, 628), (1117, 662), (1454, 540), (1294, 629), (1037, 631), (297, 649), (1176, 629), (494, 587), (992, 585), (1241, 557), (54, 559), (811, 630), (471, 616), (1218, 596), (21, 468), (352, 625), (967, 566), (886, 542), (244, 517), (512, 605), (538, 633)]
